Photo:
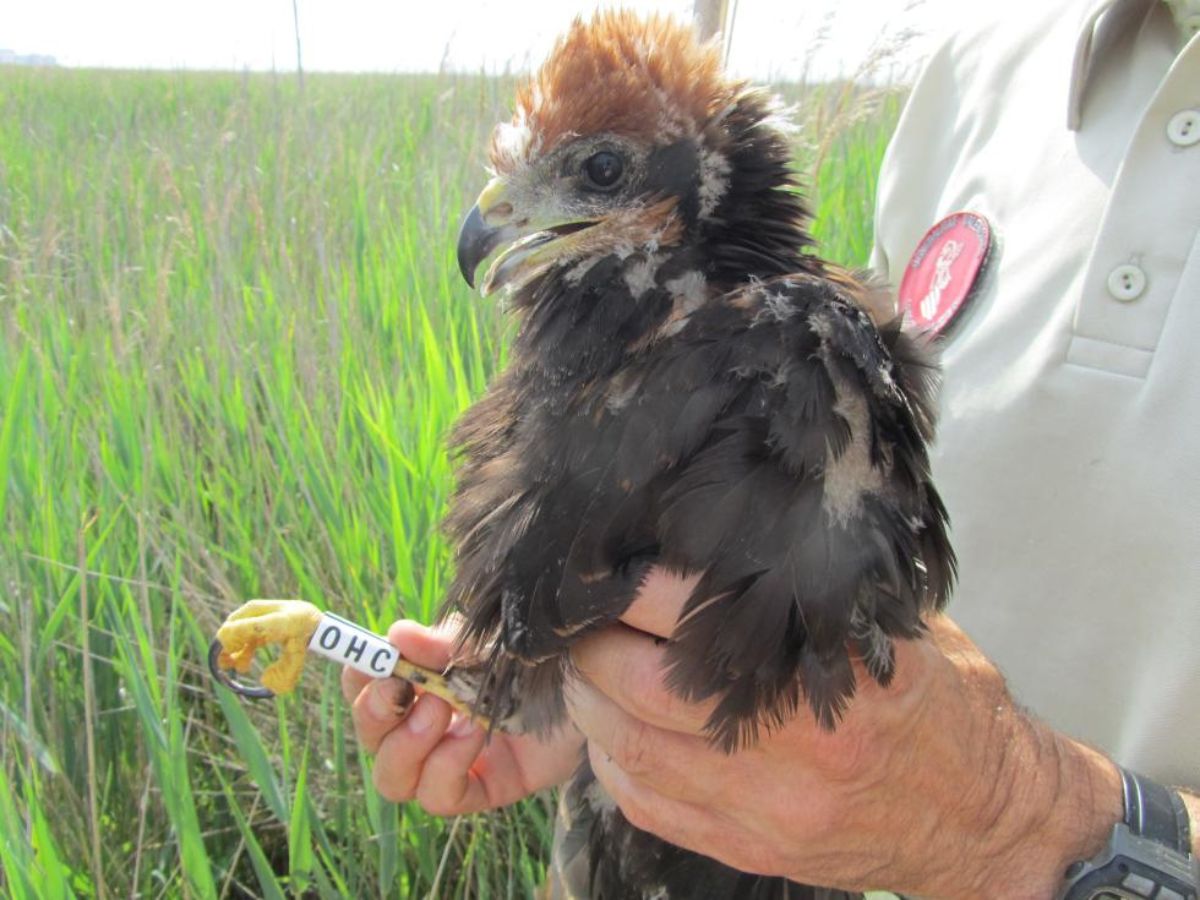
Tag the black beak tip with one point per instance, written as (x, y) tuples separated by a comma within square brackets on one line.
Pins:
[(475, 242)]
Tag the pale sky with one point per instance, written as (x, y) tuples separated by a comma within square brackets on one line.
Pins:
[(770, 38)]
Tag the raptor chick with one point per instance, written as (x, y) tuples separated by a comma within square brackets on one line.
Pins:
[(691, 387)]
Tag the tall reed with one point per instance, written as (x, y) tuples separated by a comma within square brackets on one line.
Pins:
[(232, 340)]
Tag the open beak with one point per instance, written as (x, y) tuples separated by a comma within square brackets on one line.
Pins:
[(529, 246)]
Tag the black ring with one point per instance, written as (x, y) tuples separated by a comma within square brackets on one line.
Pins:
[(223, 677)]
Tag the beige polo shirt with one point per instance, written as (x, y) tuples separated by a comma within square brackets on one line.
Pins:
[(1069, 449)]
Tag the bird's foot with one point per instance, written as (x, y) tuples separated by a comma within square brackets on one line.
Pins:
[(260, 623), (292, 624)]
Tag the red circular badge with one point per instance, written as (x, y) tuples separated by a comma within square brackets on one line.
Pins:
[(944, 269)]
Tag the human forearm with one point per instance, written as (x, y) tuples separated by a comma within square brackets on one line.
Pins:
[(1037, 800)]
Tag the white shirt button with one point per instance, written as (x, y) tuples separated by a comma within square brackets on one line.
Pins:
[(1126, 283), (1184, 128)]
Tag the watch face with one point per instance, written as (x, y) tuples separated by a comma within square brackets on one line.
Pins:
[(1133, 867), (1135, 885)]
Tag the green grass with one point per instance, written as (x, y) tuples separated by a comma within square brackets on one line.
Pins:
[(232, 340)]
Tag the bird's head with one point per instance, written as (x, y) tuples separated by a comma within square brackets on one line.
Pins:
[(630, 142)]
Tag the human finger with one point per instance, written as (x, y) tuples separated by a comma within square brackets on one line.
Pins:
[(659, 600), (353, 681), (423, 645), (402, 751), (379, 707), (677, 765), (676, 821), (447, 786), (629, 667), (427, 646)]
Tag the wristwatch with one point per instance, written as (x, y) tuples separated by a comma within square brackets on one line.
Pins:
[(1149, 854)]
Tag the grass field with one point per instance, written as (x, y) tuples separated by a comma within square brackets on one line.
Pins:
[(232, 340)]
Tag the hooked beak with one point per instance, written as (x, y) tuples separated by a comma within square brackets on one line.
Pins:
[(476, 241), (486, 227), (493, 223)]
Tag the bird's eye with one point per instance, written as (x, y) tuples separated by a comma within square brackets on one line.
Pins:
[(603, 170)]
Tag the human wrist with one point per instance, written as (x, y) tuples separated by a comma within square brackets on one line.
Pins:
[(1192, 803), (1063, 800)]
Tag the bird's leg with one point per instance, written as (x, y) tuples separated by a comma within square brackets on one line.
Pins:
[(298, 627), (492, 700)]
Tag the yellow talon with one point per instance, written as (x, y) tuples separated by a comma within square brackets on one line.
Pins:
[(260, 623)]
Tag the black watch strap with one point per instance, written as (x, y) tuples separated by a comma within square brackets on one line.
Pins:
[(1156, 812)]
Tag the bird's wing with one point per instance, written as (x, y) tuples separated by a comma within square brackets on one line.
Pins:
[(778, 444), (806, 502)]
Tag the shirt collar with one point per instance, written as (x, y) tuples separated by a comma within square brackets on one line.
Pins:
[(1090, 45)]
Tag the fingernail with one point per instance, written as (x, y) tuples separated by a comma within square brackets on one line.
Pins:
[(406, 696), (384, 699), (423, 716), (463, 726)]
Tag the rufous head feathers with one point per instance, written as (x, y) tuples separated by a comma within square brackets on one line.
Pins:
[(645, 78)]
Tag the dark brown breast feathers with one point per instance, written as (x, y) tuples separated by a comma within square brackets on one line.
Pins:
[(776, 441)]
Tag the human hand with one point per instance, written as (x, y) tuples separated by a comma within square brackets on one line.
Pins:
[(441, 759), (937, 785)]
